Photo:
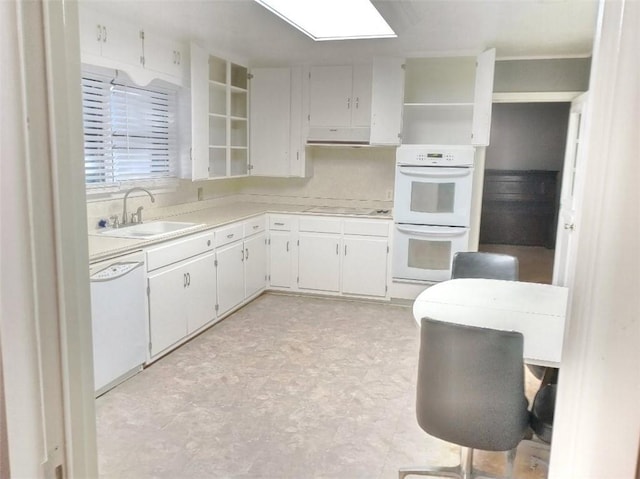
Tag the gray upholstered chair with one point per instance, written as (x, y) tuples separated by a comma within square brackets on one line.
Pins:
[(470, 392), (484, 265)]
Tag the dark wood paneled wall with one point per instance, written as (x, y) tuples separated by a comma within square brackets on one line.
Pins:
[(519, 207)]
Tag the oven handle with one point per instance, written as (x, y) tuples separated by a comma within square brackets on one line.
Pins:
[(434, 232), (435, 172)]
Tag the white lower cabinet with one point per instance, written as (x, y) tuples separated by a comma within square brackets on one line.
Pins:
[(230, 276), (348, 256), (255, 264), (283, 270), (319, 262), (182, 294), (364, 266), (241, 256)]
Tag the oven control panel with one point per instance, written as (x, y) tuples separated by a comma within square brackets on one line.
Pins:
[(435, 155)]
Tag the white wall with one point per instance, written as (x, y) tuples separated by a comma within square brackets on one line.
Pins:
[(528, 136), (344, 173), (597, 418), (542, 75)]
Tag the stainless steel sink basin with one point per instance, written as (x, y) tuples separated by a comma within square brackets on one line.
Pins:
[(152, 230)]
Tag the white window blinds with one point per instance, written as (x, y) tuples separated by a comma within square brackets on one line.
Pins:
[(129, 131)]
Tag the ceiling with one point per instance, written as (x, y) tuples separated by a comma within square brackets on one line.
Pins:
[(246, 32)]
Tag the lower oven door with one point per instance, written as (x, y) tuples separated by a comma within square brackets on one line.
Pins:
[(425, 253)]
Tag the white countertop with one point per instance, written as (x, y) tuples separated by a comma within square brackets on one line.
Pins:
[(104, 247), (535, 310)]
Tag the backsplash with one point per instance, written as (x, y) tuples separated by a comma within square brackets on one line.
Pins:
[(342, 176), (339, 173)]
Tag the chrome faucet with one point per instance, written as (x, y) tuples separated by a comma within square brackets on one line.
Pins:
[(124, 205)]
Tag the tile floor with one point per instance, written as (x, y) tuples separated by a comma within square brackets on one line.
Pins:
[(536, 262), (287, 387)]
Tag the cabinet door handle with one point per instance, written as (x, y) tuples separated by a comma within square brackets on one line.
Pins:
[(242, 253), (357, 102), (104, 34), (287, 246), (255, 227), (230, 236), (348, 103), (179, 58), (188, 279), (337, 248), (184, 280), (247, 254), (99, 33), (345, 250), (278, 224)]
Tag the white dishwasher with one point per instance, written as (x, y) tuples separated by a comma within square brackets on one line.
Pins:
[(118, 315)]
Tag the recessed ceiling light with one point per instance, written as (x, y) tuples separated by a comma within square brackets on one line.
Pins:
[(332, 19)]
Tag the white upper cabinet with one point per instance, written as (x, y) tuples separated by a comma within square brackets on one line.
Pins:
[(359, 103), (387, 95), (165, 57), (330, 90), (448, 100), (108, 41), (270, 121), (219, 117), (114, 42), (481, 126), (276, 144)]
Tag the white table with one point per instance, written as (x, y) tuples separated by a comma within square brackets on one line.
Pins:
[(535, 310)]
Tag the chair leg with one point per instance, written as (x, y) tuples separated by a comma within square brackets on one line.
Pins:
[(511, 458), (466, 462)]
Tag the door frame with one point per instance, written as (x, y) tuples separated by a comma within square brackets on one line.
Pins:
[(480, 158), (566, 234), (46, 321)]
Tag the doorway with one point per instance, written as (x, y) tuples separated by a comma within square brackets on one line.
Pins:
[(522, 184)]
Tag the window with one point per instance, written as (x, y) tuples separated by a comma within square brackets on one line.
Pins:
[(129, 131)]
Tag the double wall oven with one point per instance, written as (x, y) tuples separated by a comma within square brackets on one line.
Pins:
[(432, 209)]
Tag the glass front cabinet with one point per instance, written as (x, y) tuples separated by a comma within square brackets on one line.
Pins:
[(219, 117)]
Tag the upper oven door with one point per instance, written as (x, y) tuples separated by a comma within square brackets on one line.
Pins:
[(426, 195)]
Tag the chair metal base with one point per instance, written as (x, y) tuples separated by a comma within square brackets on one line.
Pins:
[(463, 471)]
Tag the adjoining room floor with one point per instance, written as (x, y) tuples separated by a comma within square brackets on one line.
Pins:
[(287, 387), (536, 262)]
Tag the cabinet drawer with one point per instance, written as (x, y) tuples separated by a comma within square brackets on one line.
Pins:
[(178, 250), (321, 225), (229, 234), (366, 227), (281, 223), (254, 225)]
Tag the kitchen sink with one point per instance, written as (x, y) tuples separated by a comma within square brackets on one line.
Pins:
[(152, 230)]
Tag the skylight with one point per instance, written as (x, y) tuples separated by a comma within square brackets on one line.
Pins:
[(324, 20)]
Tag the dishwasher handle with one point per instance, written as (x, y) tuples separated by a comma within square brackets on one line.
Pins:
[(115, 271)]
